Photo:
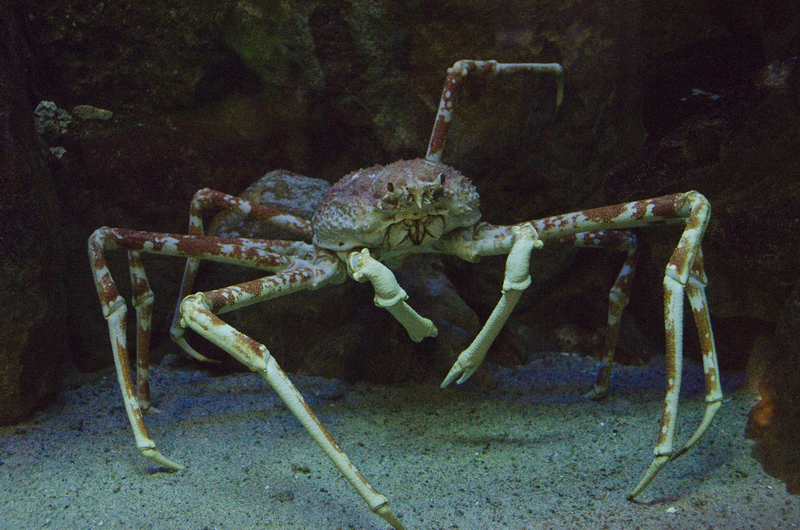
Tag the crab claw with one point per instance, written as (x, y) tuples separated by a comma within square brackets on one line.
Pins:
[(462, 367), (517, 279)]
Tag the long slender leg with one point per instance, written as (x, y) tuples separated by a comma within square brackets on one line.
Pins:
[(206, 202), (198, 312), (115, 312), (488, 240), (243, 252), (452, 84), (517, 279), (143, 303), (676, 277), (683, 272), (696, 291), (618, 297)]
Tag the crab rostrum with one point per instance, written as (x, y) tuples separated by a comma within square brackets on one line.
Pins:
[(368, 222)]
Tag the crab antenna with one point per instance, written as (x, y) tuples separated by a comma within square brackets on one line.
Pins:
[(452, 84)]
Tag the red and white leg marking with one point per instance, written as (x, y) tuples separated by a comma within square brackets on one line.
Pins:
[(618, 296), (207, 202), (696, 292), (115, 312), (452, 84), (243, 252), (683, 272), (199, 311), (143, 303)]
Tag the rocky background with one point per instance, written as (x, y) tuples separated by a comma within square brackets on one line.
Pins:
[(149, 103)]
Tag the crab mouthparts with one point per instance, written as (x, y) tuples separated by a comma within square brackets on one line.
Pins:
[(416, 232)]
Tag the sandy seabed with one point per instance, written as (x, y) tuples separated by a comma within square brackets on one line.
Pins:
[(518, 449)]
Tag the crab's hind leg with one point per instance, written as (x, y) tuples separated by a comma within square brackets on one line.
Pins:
[(696, 292), (143, 303), (206, 202), (199, 311), (684, 273), (618, 296), (115, 312)]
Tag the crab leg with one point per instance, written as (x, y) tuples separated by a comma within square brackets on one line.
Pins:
[(389, 295), (618, 296), (115, 312), (684, 272), (696, 292), (143, 303), (198, 312), (245, 252), (452, 84), (517, 279), (673, 308), (206, 202)]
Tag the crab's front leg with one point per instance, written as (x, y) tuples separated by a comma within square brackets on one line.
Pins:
[(199, 312), (389, 295), (517, 279)]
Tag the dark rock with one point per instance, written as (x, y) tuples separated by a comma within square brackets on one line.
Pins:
[(744, 155), (774, 423), (32, 303), (210, 94)]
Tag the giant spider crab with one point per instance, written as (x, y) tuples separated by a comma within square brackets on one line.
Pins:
[(380, 215)]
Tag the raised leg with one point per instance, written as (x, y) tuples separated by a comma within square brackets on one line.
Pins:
[(452, 84), (198, 312)]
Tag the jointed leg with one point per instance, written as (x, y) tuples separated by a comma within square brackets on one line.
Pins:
[(143, 303), (115, 311), (517, 279), (618, 297), (452, 84), (673, 308), (198, 312), (696, 291), (206, 202), (489, 240), (684, 272), (389, 295)]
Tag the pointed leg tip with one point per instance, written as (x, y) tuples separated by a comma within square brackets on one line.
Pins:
[(155, 456), (447, 380), (386, 513), (658, 463), (596, 394)]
